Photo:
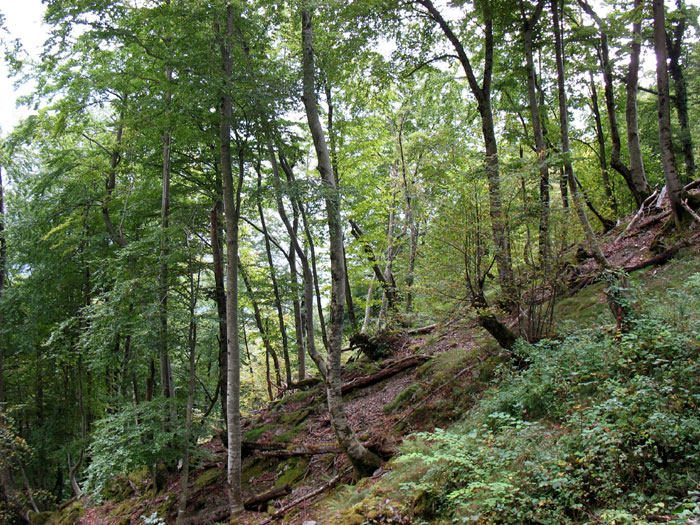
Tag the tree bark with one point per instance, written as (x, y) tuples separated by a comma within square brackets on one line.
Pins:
[(166, 372), (564, 120), (680, 100), (275, 287), (636, 179), (528, 25), (632, 87), (602, 155), (668, 159), (232, 201), (363, 461), (306, 269), (220, 299)]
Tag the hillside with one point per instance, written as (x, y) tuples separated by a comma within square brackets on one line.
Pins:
[(589, 426)]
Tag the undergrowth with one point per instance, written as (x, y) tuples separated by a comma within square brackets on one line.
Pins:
[(598, 427)]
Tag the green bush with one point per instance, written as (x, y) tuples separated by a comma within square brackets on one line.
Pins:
[(129, 439), (595, 428)]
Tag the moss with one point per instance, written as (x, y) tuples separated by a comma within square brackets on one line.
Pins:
[(69, 515), (289, 435), (207, 478), (254, 435), (256, 468), (292, 472), (297, 397), (39, 518), (125, 508), (584, 307), (296, 417), (410, 394)]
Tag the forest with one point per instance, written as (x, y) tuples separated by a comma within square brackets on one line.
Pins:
[(373, 261)]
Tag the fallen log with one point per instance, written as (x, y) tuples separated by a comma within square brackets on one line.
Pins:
[(391, 370), (255, 502), (422, 330), (326, 486), (306, 383), (223, 512), (658, 259), (302, 450), (637, 215), (690, 210)]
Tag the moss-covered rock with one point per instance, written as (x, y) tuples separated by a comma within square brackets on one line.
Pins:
[(69, 515), (291, 472), (256, 433), (409, 395), (39, 518), (296, 417), (208, 477)]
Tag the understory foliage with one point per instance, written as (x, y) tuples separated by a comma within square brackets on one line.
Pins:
[(598, 427)]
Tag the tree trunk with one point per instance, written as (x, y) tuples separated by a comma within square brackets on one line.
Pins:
[(668, 159), (260, 324), (166, 372), (482, 94), (192, 346), (298, 321), (220, 299), (275, 287), (602, 155), (680, 100), (540, 145), (633, 146), (306, 269), (363, 461), (564, 120), (636, 179), (232, 201), (368, 305)]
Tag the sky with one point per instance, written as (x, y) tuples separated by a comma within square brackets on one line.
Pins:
[(22, 21)]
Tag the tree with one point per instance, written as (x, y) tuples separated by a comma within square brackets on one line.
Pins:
[(364, 461), (668, 159)]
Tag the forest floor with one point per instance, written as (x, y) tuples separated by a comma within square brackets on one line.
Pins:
[(290, 443)]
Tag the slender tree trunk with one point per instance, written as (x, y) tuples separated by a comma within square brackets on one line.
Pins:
[(368, 305), (314, 272), (166, 372), (306, 269), (390, 253), (564, 120), (668, 159), (482, 94), (275, 287), (220, 299), (410, 219), (232, 200), (636, 179), (260, 323), (602, 155), (192, 347), (296, 304), (364, 461), (633, 145), (680, 100), (529, 24)]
